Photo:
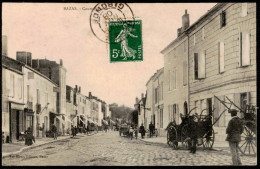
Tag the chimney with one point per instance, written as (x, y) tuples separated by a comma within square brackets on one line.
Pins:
[(185, 21), (179, 31), (4, 46), (90, 95), (142, 96), (61, 62), (29, 59), (21, 56), (79, 89)]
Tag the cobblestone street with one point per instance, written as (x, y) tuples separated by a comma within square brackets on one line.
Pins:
[(104, 149)]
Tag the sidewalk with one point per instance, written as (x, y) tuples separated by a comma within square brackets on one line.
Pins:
[(19, 146), (218, 145)]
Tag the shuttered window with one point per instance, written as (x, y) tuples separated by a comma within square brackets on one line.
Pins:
[(196, 65), (222, 19), (169, 78), (244, 49), (202, 65), (221, 57), (174, 78)]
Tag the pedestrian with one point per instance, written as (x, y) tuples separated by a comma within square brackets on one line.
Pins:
[(54, 131), (131, 132), (142, 130), (151, 129), (88, 129), (192, 133), (29, 138), (234, 130)]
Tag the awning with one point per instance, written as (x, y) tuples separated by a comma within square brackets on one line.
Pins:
[(111, 121), (17, 106), (68, 119), (91, 121), (60, 118)]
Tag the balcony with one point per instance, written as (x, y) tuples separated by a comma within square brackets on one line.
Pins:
[(38, 108), (29, 105)]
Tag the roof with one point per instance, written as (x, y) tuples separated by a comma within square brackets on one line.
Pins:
[(204, 17), (154, 75)]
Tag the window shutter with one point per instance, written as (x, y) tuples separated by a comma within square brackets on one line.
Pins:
[(245, 49), (201, 65), (196, 65), (237, 101)]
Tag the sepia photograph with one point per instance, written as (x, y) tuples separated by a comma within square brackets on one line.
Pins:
[(129, 84)]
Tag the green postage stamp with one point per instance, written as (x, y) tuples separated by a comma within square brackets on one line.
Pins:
[(125, 40)]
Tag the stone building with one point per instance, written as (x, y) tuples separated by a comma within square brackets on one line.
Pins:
[(161, 118), (222, 60), (221, 52), (176, 74), (13, 115)]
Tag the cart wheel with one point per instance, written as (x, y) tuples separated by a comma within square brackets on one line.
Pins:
[(184, 135), (208, 140), (172, 137), (248, 144)]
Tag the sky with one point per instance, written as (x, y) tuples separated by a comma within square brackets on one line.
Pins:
[(48, 31)]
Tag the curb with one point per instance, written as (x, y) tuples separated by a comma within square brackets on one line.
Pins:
[(31, 147), (159, 143)]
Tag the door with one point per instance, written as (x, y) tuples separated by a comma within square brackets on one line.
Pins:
[(209, 107), (13, 124)]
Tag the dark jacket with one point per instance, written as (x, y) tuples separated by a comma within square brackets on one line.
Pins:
[(150, 126), (192, 129), (234, 130)]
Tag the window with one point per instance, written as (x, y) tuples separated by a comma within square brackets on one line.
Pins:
[(174, 78), (162, 89), (244, 10), (174, 112), (244, 100), (20, 88), (161, 118), (28, 92), (202, 33), (244, 49), (197, 106), (11, 93), (38, 96), (221, 57), (29, 121), (200, 65), (184, 73), (222, 19)]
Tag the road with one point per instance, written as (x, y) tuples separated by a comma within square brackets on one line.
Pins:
[(109, 149)]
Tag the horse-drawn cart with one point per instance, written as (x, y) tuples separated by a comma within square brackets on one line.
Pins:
[(179, 133)]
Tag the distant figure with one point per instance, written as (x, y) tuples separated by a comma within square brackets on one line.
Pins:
[(151, 129), (131, 132), (29, 138), (142, 130), (234, 130), (88, 129), (54, 131)]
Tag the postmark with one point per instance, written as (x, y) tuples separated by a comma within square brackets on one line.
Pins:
[(103, 13), (125, 41)]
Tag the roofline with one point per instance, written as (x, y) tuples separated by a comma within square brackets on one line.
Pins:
[(210, 12)]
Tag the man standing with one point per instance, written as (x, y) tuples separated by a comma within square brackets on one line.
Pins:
[(234, 130), (54, 131), (151, 129), (192, 132)]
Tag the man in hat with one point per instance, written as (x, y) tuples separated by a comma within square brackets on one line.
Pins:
[(234, 130)]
